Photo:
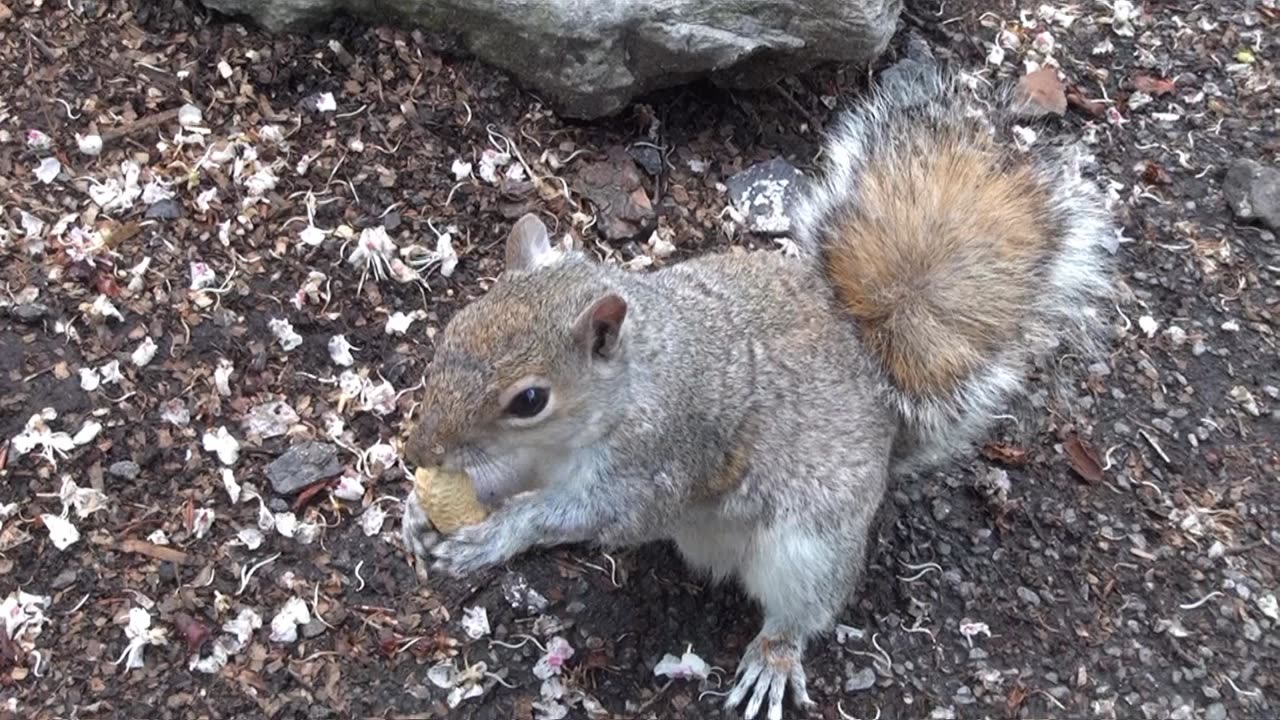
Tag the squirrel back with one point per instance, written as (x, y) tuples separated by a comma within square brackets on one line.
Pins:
[(960, 258)]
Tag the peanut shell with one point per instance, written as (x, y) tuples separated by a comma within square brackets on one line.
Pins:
[(448, 499)]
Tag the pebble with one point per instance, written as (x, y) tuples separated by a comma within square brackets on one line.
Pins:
[(124, 470), (1216, 711), (303, 465), (861, 680), (29, 313), (1028, 596), (164, 210), (1253, 191), (767, 194)]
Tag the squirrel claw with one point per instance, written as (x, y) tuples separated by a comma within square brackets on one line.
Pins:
[(766, 669), (469, 550), (416, 531)]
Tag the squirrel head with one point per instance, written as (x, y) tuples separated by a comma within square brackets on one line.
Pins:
[(525, 377)]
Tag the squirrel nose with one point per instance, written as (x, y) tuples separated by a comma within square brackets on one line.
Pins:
[(423, 448)]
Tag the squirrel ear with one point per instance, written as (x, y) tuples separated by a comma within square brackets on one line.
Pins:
[(600, 325), (528, 245)]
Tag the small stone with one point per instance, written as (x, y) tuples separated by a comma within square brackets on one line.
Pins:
[(767, 194), (303, 465), (313, 628), (1216, 711), (124, 470), (521, 597), (648, 158), (164, 210), (864, 679), (1028, 596), (29, 313), (1253, 192), (616, 189), (941, 510)]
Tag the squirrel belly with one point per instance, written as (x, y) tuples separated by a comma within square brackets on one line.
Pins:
[(960, 258)]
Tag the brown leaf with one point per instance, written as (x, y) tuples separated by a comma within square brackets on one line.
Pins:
[(193, 630), (1040, 93), (1084, 459), (1091, 107), (1153, 86), (1007, 454), (1154, 174), (1013, 701)]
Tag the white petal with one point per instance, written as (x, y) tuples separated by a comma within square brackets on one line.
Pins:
[(61, 532)]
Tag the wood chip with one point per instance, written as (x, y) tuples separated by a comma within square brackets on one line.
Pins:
[(159, 552)]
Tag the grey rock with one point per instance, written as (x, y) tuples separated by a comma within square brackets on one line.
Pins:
[(313, 628), (30, 313), (1253, 192), (1028, 596), (590, 59), (124, 470), (648, 158), (521, 597), (303, 465), (269, 419), (1216, 711), (767, 194), (164, 210), (614, 186), (864, 679)]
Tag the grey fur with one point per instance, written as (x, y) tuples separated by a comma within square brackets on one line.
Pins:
[(720, 354)]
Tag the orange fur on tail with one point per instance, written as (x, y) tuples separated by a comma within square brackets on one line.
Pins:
[(938, 258)]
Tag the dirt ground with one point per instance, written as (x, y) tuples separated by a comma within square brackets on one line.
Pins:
[(1127, 569)]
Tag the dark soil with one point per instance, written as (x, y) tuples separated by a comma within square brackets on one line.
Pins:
[(1129, 570)]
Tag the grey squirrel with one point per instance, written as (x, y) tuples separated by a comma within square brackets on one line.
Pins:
[(754, 407)]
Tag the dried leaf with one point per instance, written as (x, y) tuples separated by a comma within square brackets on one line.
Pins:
[(1154, 87), (1084, 459), (1041, 93), (1007, 454)]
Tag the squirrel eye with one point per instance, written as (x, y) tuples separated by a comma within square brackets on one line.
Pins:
[(529, 402)]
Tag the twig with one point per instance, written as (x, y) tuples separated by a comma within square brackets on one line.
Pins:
[(149, 121)]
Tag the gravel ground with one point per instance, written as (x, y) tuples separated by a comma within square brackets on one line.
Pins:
[(217, 245)]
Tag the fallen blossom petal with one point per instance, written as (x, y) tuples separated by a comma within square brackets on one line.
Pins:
[(252, 537), (222, 444), (90, 145), (687, 666), (203, 521), (349, 488), (340, 351), (283, 330), (61, 532), (48, 170), (475, 622), (372, 519), (144, 353), (284, 626)]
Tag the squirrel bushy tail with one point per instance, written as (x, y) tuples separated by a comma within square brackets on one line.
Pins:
[(960, 257)]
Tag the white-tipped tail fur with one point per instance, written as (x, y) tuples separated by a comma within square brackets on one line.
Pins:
[(960, 257)]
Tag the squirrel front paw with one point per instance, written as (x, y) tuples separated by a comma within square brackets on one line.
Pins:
[(416, 530), (473, 548)]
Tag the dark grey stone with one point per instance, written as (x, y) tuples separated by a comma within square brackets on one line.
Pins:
[(303, 465)]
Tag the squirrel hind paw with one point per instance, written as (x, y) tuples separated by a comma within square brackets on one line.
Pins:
[(767, 668)]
